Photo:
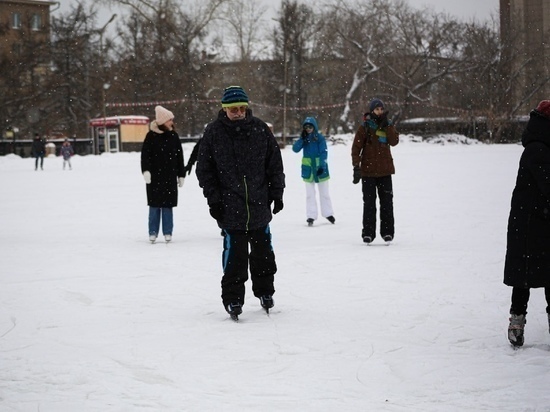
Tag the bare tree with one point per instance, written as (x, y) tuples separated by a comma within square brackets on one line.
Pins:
[(23, 92), (393, 51), (499, 83), (292, 38), (170, 36), (427, 49), (77, 81), (354, 32), (243, 27)]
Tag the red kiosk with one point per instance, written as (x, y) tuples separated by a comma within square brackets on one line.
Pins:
[(118, 133)]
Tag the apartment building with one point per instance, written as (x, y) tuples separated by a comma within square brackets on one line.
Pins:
[(21, 21), (525, 24)]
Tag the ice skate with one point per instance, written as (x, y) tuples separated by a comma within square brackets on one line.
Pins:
[(266, 301), (515, 329), (234, 309), (367, 239)]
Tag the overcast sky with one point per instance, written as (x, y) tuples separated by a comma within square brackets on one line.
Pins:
[(464, 9)]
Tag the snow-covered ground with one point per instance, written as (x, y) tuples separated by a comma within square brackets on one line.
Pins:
[(95, 318)]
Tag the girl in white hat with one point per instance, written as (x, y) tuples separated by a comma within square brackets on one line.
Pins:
[(163, 170)]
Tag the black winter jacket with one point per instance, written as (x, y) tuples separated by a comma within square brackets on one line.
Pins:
[(527, 262), (162, 156), (38, 148), (240, 166)]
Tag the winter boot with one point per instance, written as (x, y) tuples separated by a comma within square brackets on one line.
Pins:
[(267, 302), (515, 329)]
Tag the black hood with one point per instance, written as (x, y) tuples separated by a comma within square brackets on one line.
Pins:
[(537, 130)]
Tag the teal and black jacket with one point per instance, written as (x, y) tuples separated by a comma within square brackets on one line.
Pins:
[(314, 160)]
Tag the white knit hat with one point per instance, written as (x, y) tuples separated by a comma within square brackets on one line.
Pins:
[(162, 115)]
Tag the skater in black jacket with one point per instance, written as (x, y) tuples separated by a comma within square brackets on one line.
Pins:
[(527, 262), (38, 151), (241, 173)]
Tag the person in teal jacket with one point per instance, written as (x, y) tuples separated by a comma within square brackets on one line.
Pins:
[(315, 171)]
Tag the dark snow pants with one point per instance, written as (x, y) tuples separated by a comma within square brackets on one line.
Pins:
[(39, 158), (385, 193), (236, 259), (520, 299)]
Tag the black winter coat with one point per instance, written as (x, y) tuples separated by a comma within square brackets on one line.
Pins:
[(240, 165), (527, 262), (38, 148), (162, 156)]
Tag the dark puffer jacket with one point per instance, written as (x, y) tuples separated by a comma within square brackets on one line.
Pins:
[(38, 147), (240, 166), (162, 156), (528, 250)]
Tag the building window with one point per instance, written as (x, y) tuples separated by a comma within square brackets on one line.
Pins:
[(36, 22), (16, 20)]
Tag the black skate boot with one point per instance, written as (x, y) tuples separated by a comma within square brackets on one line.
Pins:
[(515, 329), (267, 302), (367, 239), (234, 309)]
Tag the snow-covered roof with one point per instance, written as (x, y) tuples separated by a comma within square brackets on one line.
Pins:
[(116, 120)]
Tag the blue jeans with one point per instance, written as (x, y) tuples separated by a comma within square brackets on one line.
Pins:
[(155, 214)]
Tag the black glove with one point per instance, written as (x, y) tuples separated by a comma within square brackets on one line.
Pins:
[(187, 169), (320, 171), (277, 206), (356, 175), (216, 211), (384, 122)]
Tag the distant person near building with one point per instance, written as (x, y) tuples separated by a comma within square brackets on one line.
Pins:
[(38, 150), (314, 170), (527, 263), (67, 152)]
